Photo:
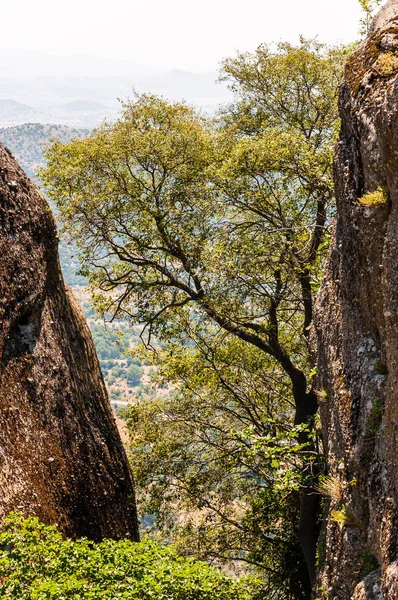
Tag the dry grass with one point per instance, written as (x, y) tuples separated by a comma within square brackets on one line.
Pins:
[(331, 487), (387, 64)]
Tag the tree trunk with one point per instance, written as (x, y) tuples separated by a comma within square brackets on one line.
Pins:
[(306, 409)]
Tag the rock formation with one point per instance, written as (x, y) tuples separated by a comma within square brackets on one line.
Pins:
[(61, 457), (356, 331)]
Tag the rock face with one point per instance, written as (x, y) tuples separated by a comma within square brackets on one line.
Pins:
[(356, 331), (61, 457)]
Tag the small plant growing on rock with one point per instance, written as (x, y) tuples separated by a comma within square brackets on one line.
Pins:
[(346, 518), (375, 417), (331, 487), (322, 590), (380, 367), (323, 395), (369, 563), (387, 64), (377, 198)]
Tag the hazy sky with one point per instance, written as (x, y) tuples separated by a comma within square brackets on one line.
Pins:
[(184, 34)]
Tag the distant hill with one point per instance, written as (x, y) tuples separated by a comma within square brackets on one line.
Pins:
[(84, 105), (83, 113), (76, 113), (13, 112), (80, 91), (27, 142)]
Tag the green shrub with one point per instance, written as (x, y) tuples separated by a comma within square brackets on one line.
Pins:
[(346, 518), (134, 374), (376, 198), (369, 563), (375, 416), (36, 563), (380, 367)]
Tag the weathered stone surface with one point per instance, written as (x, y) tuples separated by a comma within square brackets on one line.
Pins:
[(61, 457), (356, 326), (369, 588)]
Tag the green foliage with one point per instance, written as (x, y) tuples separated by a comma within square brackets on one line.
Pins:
[(345, 517), (213, 234), (375, 416), (115, 345), (369, 8), (134, 374), (290, 88), (36, 563), (217, 470), (369, 563), (379, 197), (183, 220), (115, 348), (380, 367)]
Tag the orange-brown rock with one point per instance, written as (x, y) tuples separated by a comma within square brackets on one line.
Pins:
[(356, 330), (61, 457)]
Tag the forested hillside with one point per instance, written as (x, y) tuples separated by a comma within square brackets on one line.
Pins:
[(28, 141)]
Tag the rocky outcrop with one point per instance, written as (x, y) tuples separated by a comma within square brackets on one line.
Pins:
[(61, 457), (356, 331)]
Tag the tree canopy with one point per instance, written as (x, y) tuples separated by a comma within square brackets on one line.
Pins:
[(212, 233)]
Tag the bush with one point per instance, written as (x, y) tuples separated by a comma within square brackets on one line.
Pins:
[(134, 374), (118, 371), (36, 563), (376, 198)]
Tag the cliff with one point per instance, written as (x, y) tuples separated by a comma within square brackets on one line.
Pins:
[(356, 331), (61, 457)]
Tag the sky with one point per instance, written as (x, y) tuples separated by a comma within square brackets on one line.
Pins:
[(184, 34)]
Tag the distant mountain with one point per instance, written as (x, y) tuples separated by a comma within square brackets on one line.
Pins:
[(51, 84), (15, 112), (77, 113), (27, 142), (82, 113), (84, 105)]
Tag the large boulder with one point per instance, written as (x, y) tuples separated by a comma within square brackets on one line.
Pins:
[(61, 457), (356, 330)]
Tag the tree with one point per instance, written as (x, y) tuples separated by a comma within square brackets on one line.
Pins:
[(134, 374), (369, 7), (217, 461), (188, 225)]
